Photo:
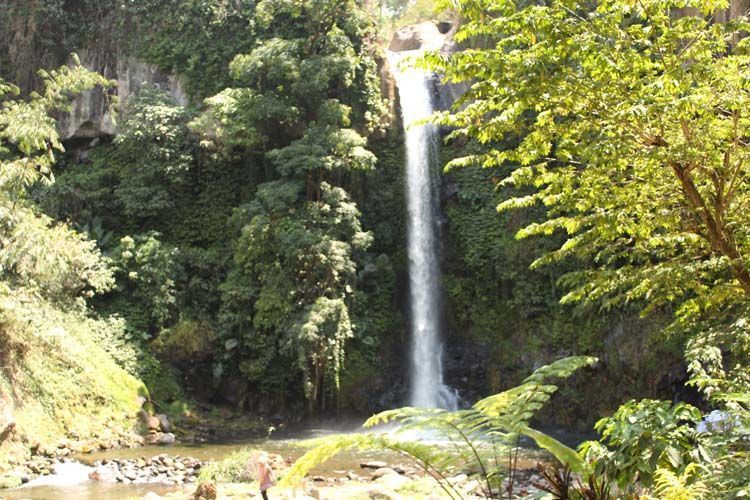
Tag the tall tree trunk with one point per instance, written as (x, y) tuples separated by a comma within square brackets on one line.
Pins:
[(720, 237)]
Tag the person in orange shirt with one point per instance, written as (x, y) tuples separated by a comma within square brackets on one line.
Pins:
[(266, 478)]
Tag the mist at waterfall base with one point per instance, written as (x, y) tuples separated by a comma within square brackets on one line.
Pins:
[(415, 89)]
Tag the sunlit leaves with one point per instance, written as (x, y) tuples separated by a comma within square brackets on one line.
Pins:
[(51, 258), (153, 132), (34, 252), (28, 133), (643, 436), (627, 123), (302, 99), (296, 258)]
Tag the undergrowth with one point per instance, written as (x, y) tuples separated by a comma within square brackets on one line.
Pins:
[(60, 382)]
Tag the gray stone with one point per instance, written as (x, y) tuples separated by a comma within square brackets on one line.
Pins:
[(164, 422), (460, 478), (374, 464), (471, 486), (152, 423), (393, 481), (91, 114), (166, 438), (382, 472)]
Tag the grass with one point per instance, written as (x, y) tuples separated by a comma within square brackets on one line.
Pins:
[(58, 380), (232, 469)]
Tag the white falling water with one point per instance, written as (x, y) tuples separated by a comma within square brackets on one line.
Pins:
[(422, 181)]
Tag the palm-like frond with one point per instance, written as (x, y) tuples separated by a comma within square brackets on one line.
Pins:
[(672, 486), (472, 438), (434, 460)]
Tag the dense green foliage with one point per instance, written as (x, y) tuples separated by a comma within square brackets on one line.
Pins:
[(49, 343), (620, 131), (254, 239), (179, 197), (301, 95), (193, 38), (642, 437), (626, 124), (213, 214)]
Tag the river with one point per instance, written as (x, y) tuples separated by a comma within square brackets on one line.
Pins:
[(287, 446)]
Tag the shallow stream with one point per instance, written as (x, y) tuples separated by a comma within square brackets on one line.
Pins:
[(287, 446)]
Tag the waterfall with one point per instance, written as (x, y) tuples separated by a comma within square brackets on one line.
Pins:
[(422, 182)]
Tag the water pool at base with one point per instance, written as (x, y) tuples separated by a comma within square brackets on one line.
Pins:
[(288, 447)]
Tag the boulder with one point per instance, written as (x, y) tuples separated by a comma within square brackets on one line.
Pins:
[(151, 496), (160, 438), (382, 472), (458, 479), (392, 481), (471, 486), (428, 35), (151, 422), (164, 423)]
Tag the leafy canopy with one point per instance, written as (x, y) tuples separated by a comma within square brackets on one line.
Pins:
[(628, 123), (28, 132), (301, 102), (50, 258)]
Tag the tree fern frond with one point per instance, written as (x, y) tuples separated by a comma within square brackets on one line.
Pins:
[(516, 406), (399, 415), (432, 459), (668, 485)]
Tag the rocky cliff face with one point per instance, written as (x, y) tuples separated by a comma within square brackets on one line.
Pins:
[(92, 113), (431, 36)]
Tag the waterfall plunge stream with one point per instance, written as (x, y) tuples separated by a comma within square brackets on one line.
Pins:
[(422, 181)]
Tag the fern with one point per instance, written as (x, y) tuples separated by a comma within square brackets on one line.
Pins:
[(477, 437), (670, 486), (432, 459)]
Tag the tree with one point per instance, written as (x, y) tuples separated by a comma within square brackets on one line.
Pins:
[(28, 132), (303, 98), (52, 259), (299, 264), (629, 124)]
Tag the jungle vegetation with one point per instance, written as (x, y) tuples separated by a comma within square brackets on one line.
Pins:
[(246, 245)]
